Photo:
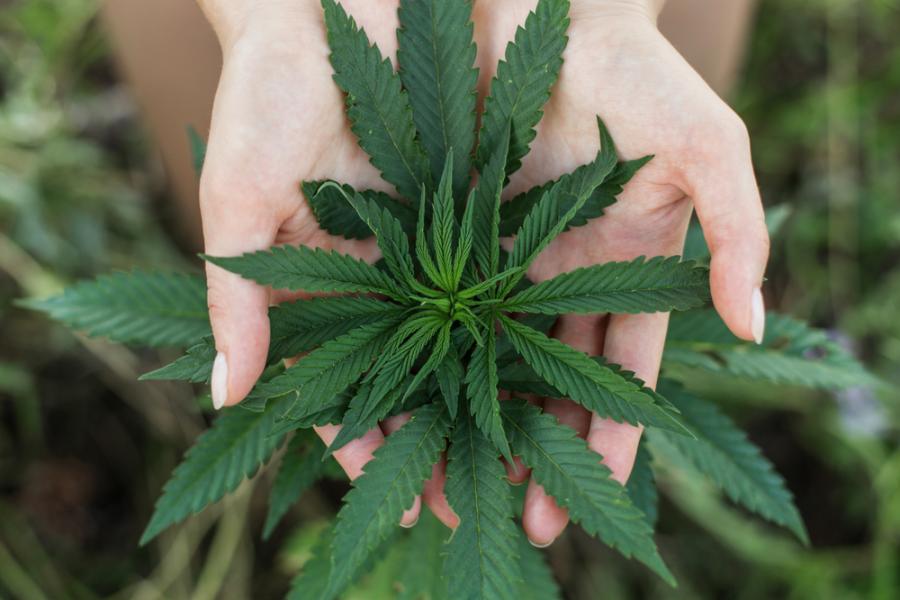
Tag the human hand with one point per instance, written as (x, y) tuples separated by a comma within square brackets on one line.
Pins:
[(278, 120), (618, 66)]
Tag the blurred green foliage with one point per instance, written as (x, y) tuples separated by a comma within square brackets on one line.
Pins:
[(84, 449)]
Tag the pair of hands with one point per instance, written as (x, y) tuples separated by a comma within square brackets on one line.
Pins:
[(279, 119)]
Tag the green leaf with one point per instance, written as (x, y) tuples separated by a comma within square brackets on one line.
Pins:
[(548, 219), (312, 580), (300, 467), (195, 366), (437, 56), (538, 582), (389, 234), (140, 308), (308, 269), (723, 453), (334, 216), (330, 369), (572, 473), (423, 252), (596, 386), (296, 327), (303, 325), (521, 87), (443, 226), (590, 179), (486, 225), (640, 286), (482, 391), (449, 374), (641, 484), (378, 108), (233, 449), (391, 481), (481, 557), (791, 352)]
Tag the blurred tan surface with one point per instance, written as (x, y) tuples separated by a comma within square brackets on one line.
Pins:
[(170, 57)]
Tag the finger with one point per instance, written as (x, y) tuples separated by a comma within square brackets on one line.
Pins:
[(516, 472), (636, 343), (238, 308), (434, 498), (354, 455), (728, 205), (388, 426), (542, 518)]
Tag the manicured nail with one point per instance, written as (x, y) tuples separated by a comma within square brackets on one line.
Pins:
[(536, 545), (219, 381), (757, 316), (409, 526)]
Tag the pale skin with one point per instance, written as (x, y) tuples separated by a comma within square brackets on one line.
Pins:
[(279, 119)]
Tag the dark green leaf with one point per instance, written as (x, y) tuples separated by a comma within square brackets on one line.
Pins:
[(572, 473), (379, 109), (482, 559), (141, 308), (437, 56)]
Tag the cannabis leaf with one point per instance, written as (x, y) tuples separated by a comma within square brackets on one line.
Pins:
[(481, 388), (595, 386), (150, 309), (330, 369), (641, 484), (391, 480), (195, 366), (572, 473), (521, 87), (640, 286), (482, 556), (379, 109), (234, 448), (537, 578), (436, 54), (791, 352), (300, 467), (330, 208), (307, 269), (723, 453)]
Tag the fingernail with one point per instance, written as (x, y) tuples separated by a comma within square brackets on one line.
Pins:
[(757, 316), (536, 545), (219, 381), (409, 526)]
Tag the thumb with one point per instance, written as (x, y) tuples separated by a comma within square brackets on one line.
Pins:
[(730, 210), (238, 308)]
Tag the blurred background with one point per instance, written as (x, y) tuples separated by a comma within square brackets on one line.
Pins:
[(84, 448)]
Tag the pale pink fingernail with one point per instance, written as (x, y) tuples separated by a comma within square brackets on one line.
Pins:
[(757, 316), (219, 381), (536, 545)]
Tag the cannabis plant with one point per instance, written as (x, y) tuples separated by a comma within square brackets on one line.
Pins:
[(447, 319)]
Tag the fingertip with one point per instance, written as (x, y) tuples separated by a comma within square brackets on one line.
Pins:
[(735, 283), (434, 497), (542, 518), (411, 516), (238, 314), (516, 472)]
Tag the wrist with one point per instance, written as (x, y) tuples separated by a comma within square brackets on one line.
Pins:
[(233, 19), (649, 9)]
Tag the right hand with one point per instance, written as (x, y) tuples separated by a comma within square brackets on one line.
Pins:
[(279, 119)]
